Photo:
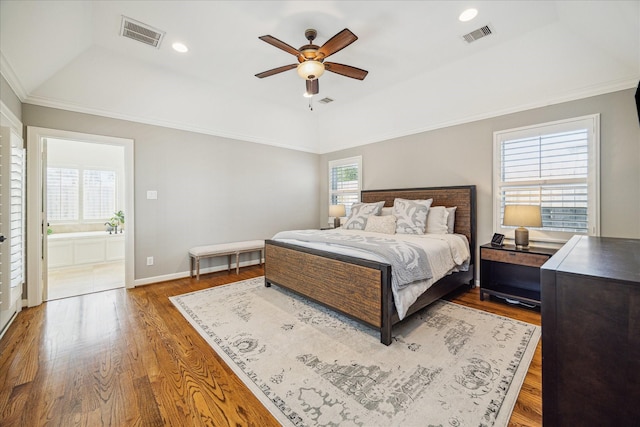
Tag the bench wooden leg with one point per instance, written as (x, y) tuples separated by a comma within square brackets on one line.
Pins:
[(197, 268), (229, 263), (237, 262)]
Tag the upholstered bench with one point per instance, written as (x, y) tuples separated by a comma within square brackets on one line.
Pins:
[(228, 249)]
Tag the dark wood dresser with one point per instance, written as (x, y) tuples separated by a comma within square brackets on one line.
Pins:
[(591, 333)]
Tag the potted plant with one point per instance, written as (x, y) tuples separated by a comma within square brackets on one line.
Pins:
[(116, 220)]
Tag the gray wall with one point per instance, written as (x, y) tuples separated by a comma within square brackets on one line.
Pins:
[(10, 99), (210, 189), (213, 189), (462, 155)]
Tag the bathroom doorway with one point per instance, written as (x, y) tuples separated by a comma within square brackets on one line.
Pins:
[(80, 211), (86, 223)]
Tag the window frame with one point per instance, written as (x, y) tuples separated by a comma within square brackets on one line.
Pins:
[(592, 123), (342, 162)]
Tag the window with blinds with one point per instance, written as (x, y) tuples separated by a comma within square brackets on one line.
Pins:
[(66, 185), (99, 194), (554, 166), (345, 182), (63, 189)]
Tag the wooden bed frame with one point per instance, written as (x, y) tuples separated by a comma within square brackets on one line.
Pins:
[(361, 288)]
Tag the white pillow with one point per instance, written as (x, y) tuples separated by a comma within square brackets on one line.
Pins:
[(451, 219), (359, 213), (437, 220), (381, 224), (411, 215), (386, 211)]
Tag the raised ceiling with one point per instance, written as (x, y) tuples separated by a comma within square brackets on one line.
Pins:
[(422, 73)]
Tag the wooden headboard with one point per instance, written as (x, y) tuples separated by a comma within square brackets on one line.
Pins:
[(464, 197)]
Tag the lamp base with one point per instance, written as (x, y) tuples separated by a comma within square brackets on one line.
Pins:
[(336, 222), (522, 237)]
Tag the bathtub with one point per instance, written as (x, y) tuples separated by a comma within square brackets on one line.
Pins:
[(90, 247)]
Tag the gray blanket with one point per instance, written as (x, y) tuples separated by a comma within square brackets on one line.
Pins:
[(408, 261)]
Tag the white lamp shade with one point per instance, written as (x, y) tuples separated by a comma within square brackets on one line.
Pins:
[(337, 211), (522, 216), (310, 70)]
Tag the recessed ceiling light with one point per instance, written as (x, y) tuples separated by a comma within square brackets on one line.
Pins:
[(468, 15), (179, 47)]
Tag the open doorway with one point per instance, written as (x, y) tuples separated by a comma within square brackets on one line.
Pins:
[(86, 182), (85, 217)]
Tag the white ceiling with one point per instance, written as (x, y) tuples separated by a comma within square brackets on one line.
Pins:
[(422, 74)]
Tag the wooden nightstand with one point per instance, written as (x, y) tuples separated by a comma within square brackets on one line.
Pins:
[(512, 273)]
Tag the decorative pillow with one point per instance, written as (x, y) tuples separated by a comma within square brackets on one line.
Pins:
[(411, 215), (359, 212), (451, 219), (386, 211), (437, 220), (381, 224)]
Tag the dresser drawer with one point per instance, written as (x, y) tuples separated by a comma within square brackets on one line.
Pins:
[(510, 257)]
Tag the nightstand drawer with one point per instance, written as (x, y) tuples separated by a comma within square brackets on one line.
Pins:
[(511, 257)]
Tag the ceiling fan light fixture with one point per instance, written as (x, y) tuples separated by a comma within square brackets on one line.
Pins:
[(310, 70), (307, 95)]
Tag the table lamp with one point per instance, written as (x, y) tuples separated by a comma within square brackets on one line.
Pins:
[(522, 216), (336, 211)]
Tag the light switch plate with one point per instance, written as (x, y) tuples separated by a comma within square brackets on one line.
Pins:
[(152, 195)]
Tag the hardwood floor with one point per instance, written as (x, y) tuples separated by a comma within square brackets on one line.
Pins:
[(127, 357)]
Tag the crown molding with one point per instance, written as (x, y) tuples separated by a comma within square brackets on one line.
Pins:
[(610, 87), (12, 78), (53, 103)]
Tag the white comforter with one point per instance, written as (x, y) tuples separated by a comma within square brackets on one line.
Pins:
[(446, 253)]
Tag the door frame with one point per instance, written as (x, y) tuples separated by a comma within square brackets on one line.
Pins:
[(36, 235)]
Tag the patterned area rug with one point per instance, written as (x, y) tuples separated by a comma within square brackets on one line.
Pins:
[(448, 365)]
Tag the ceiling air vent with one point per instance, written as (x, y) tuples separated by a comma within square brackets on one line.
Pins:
[(141, 32), (325, 100), (478, 34)]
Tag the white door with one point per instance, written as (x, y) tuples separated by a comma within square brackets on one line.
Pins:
[(11, 225)]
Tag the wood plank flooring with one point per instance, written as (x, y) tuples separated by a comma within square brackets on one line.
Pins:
[(127, 357)]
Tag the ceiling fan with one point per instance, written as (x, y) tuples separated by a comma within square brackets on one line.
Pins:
[(311, 58)]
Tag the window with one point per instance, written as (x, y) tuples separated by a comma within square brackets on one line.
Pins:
[(345, 182), (62, 194), (99, 194), (554, 165), (64, 187)]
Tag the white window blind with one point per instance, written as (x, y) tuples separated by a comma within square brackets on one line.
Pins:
[(99, 194), (554, 166), (345, 182), (62, 194), (17, 216)]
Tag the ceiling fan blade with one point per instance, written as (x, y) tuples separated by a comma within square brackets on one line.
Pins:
[(280, 45), (346, 70), (313, 87), (338, 42), (276, 71)]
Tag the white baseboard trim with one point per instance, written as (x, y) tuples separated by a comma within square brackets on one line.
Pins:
[(183, 274)]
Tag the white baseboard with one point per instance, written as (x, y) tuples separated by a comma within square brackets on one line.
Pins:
[(183, 274)]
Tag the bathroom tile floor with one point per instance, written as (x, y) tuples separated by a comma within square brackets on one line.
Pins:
[(79, 280)]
